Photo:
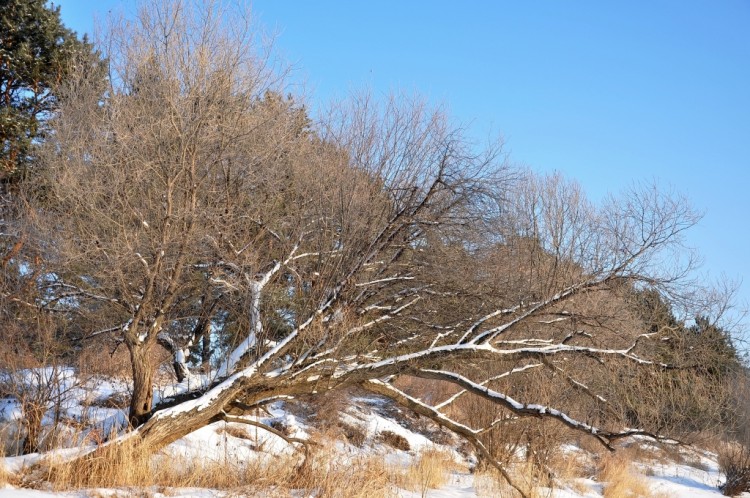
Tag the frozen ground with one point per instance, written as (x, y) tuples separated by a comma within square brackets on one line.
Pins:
[(695, 475)]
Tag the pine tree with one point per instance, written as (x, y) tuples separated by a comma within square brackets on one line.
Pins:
[(36, 53)]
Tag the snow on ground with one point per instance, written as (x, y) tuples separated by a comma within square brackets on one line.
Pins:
[(460, 485), (665, 480), (675, 479), (88, 408), (215, 442)]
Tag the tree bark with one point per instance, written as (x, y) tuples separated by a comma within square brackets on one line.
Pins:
[(206, 351), (180, 368), (143, 391), (168, 425), (179, 364)]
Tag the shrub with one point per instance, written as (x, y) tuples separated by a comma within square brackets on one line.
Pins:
[(734, 463)]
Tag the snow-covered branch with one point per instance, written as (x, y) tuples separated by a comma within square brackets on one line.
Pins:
[(383, 318), (457, 351), (453, 398), (469, 434), (530, 409), (385, 280), (479, 322)]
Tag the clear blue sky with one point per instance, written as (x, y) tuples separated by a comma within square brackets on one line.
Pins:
[(606, 92)]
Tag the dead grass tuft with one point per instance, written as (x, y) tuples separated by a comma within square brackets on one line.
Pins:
[(393, 440), (571, 466), (620, 480), (234, 431), (354, 435), (429, 470), (5, 476), (328, 475)]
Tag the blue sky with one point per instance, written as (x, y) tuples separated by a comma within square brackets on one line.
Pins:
[(606, 93)]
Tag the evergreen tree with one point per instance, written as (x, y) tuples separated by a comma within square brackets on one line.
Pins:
[(697, 396), (36, 53), (715, 344)]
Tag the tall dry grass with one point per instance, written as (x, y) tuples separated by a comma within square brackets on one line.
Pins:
[(620, 478), (127, 465), (322, 473), (5, 476), (490, 484), (616, 472), (430, 469), (328, 475)]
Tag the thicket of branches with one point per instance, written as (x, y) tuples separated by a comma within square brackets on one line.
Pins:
[(186, 204)]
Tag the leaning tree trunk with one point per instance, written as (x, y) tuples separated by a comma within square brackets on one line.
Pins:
[(143, 391), (163, 429), (170, 424)]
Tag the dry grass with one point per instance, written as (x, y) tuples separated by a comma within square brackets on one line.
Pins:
[(362, 477), (621, 480), (429, 470), (490, 484), (5, 476), (615, 471), (322, 473), (11, 438), (128, 466), (571, 466)]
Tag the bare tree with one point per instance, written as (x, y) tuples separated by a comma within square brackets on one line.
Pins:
[(394, 311), (138, 187)]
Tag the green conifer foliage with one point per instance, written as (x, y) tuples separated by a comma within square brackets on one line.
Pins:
[(36, 53)]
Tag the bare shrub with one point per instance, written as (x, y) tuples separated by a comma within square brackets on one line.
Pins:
[(109, 358), (35, 376), (430, 391), (734, 463), (327, 407)]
